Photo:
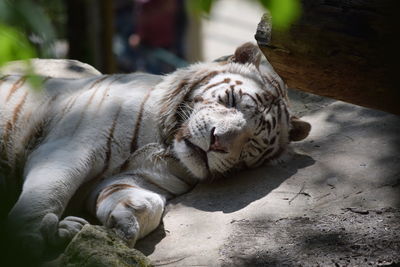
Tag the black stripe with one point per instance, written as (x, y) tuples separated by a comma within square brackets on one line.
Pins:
[(224, 164), (272, 141), (255, 141), (268, 127), (261, 123), (134, 145), (108, 89), (251, 97), (211, 75), (98, 81), (139, 122), (259, 131), (259, 150), (265, 140), (279, 113), (3, 79), (259, 98), (264, 156), (110, 139), (227, 97), (82, 115), (11, 123), (273, 122), (233, 96), (16, 85)]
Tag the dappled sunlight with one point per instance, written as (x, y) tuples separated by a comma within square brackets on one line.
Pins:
[(346, 169), (142, 154)]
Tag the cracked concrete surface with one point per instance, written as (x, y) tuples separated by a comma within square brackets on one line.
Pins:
[(336, 202)]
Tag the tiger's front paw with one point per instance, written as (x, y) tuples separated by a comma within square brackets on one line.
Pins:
[(124, 222), (60, 233), (132, 212)]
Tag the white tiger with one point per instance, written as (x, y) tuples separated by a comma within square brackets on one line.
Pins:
[(125, 144)]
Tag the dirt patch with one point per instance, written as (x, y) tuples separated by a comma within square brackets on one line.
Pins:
[(352, 238)]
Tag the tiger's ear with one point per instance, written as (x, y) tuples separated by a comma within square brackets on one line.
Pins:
[(223, 58), (247, 53), (300, 129)]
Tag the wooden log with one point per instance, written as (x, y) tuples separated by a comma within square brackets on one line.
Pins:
[(346, 49)]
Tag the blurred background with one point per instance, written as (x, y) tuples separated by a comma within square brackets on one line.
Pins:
[(155, 36), (344, 49)]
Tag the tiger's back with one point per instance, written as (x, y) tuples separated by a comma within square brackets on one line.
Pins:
[(66, 111)]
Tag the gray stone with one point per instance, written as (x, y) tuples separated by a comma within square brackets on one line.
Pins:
[(96, 246)]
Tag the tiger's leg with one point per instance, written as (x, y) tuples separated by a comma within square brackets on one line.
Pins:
[(51, 177), (132, 211)]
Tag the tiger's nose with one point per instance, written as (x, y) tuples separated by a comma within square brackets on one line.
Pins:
[(223, 142), (215, 143)]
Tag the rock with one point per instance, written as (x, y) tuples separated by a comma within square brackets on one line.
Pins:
[(96, 246)]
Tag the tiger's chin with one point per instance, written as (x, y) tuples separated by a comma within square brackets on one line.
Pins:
[(192, 157)]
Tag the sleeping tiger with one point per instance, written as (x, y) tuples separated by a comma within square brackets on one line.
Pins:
[(127, 143)]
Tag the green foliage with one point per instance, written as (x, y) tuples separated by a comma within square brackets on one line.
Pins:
[(283, 12), (14, 45), (55, 11), (25, 32), (199, 7), (29, 20)]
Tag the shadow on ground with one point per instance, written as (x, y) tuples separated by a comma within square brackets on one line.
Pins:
[(345, 239), (236, 192), (335, 203)]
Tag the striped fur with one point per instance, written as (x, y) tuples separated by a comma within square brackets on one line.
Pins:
[(125, 144)]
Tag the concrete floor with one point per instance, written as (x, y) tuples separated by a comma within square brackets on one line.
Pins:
[(346, 171)]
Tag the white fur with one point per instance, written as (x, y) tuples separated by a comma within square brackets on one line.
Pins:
[(87, 127)]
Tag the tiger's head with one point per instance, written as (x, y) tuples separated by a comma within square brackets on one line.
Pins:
[(224, 116)]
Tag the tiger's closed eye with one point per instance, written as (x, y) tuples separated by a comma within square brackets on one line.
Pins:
[(248, 107), (197, 99)]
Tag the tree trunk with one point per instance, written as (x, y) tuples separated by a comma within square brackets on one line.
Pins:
[(90, 31), (106, 36), (347, 49)]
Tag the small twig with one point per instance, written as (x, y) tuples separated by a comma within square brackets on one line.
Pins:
[(167, 262), (356, 210), (321, 197), (301, 192)]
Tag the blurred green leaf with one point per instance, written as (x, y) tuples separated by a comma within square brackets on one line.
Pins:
[(283, 12), (206, 5), (31, 20), (25, 32), (199, 7), (39, 24), (14, 45), (34, 80)]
